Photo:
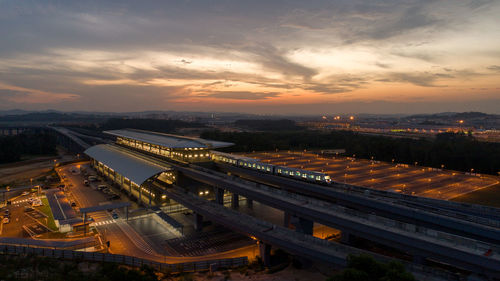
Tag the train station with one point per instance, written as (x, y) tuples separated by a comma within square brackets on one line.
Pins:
[(171, 146)]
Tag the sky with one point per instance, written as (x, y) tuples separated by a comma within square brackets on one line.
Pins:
[(263, 57)]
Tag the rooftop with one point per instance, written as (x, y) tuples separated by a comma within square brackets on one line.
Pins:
[(120, 160), (167, 140)]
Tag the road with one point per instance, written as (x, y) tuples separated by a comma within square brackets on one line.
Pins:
[(123, 238)]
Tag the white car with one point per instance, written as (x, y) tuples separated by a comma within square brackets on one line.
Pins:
[(36, 203), (6, 220)]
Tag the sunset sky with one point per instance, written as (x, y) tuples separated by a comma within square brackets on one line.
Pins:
[(271, 57)]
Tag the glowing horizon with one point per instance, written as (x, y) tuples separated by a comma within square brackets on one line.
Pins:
[(317, 57)]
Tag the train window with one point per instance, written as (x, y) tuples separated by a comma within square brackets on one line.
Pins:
[(279, 171), (297, 173), (268, 169)]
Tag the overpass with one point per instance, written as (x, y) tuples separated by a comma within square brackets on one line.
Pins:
[(471, 221), (421, 242), (291, 241), (68, 134), (403, 229)]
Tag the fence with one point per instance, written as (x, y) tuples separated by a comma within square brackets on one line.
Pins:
[(127, 260)]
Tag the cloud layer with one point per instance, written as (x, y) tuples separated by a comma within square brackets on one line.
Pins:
[(255, 56)]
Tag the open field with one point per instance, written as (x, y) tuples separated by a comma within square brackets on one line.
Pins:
[(408, 179)]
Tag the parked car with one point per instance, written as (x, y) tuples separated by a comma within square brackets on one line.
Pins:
[(36, 203), (25, 193), (6, 220), (101, 187), (114, 215), (86, 182), (92, 178), (28, 209), (73, 204), (6, 212)]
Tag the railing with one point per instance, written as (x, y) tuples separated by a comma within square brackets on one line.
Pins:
[(474, 245), (122, 259)]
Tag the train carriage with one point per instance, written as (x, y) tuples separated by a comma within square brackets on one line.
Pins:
[(255, 164)]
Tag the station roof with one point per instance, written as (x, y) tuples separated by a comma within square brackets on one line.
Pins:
[(128, 165), (167, 140)]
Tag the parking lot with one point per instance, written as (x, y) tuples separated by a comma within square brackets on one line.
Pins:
[(408, 179), (23, 219)]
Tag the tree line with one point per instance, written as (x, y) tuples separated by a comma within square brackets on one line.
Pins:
[(12, 148), (156, 125), (456, 151)]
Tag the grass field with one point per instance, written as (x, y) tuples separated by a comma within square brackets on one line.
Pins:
[(489, 196), (45, 208)]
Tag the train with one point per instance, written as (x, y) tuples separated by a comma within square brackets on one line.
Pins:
[(283, 171)]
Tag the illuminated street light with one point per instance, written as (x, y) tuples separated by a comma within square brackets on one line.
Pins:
[(351, 118)]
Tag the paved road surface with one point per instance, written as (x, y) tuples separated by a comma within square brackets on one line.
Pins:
[(124, 239)]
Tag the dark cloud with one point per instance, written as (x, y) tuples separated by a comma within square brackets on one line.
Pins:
[(274, 59), (419, 79), (240, 95), (7, 94), (495, 68)]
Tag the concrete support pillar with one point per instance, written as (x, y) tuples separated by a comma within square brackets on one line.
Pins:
[(304, 226), (345, 237), (150, 196), (235, 203), (140, 194), (219, 196), (198, 222), (265, 253), (249, 203), (286, 219)]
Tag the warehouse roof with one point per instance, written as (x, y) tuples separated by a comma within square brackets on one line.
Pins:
[(135, 168), (167, 140)]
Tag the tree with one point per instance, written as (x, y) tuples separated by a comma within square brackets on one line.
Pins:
[(366, 268)]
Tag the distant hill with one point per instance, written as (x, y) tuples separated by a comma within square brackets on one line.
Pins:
[(455, 115)]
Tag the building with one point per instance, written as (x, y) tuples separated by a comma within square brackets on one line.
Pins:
[(175, 147), (133, 173)]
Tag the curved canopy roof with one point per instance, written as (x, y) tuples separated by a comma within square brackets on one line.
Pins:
[(167, 140), (128, 165)]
